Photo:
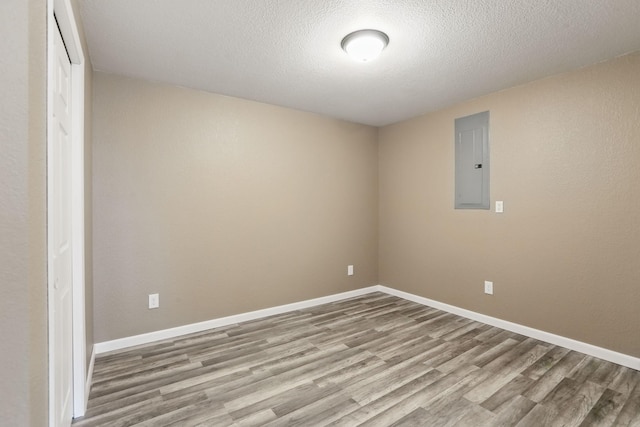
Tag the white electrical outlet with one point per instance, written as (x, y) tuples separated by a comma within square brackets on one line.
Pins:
[(499, 206), (154, 300), (488, 287), (349, 270)]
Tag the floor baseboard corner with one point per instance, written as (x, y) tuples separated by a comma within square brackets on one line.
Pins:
[(132, 341), (582, 347)]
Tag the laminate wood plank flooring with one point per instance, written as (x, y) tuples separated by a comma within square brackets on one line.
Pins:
[(374, 360)]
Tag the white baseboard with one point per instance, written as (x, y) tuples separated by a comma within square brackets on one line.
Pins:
[(121, 343), (571, 344), (582, 347)]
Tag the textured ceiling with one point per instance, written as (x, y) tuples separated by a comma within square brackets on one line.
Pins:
[(287, 52)]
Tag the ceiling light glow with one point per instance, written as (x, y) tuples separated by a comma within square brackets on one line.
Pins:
[(365, 45)]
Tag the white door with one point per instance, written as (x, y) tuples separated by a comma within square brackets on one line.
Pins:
[(59, 156)]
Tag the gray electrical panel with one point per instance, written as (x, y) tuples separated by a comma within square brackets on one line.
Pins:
[(472, 161)]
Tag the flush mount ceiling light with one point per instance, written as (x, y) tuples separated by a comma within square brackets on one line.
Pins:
[(365, 45)]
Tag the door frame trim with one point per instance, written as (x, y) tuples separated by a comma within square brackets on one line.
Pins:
[(69, 31)]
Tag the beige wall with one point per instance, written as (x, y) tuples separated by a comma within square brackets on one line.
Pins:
[(222, 206), (225, 206), (565, 255), (23, 289)]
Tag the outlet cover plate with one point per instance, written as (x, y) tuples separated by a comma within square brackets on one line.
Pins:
[(154, 300), (350, 270), (488, 287)]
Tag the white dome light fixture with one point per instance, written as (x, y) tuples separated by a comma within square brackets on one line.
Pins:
[(365, 45)]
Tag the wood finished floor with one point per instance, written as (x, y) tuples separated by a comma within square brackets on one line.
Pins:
[(374, 360)]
